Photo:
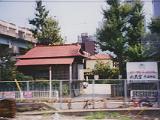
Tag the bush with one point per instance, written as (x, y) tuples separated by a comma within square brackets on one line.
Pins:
[(109, 115), (125, 118), (65, 89), (96, 115), (22, 77), (112, 115)]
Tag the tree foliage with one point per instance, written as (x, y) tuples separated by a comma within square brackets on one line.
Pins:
[(137, 53), (152, 40), (155, 25), (122, 30), (135, 29), (8, 71), (49, 34), (105, 71), (45, 28)]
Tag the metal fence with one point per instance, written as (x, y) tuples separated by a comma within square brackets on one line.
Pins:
[(95, 91), (38, 89)]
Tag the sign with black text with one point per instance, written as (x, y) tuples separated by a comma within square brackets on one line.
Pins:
[(142, 71)]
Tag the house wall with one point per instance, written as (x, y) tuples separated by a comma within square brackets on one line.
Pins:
[(80, 72), (59, 72), (99, 90), (74, 71), (37, 72), (90, 64)]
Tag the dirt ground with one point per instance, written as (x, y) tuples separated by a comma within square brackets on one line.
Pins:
[(66, 117), (24, 108), (48, 117), (144, 116)]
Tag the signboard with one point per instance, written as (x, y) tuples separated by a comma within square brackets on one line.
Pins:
[(140, 94), (7, 94), (142, 71), (27, 94)]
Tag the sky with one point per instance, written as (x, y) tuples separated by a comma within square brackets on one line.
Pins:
[(74, 17)]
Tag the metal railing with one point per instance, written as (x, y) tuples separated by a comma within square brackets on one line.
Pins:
[(27, 94)]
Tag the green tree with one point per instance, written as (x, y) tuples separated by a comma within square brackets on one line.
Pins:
[(135, 30), (50, 32), (105, 71), (121, 30), (45, 28), (152, 40), (40, 17), (155, 25), (137, 53), (8, 69), (135, 33)]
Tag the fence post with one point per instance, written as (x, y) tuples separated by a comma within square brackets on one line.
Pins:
[(60, 96), (125, 92), (93, 93), (28, 86), (50, 81), (70, 80), (158, 92)]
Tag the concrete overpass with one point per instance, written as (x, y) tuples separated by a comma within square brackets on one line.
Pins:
[(14, 37)]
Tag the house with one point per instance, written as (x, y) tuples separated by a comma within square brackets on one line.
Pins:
[(92, 60), (62, 60), (59, 62)]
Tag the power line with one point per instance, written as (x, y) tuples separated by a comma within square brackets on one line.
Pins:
[(57, 1), (71, 1)]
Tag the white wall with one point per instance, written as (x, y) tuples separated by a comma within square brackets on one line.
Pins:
[(80, 72), (98, 89)]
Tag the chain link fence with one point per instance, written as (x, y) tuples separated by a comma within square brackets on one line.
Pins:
[(92, 93)]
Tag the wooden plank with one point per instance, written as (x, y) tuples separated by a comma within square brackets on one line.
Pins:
[(7, 108)]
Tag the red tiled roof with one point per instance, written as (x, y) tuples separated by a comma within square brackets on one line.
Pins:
[(99, 57), (44, 61), (53, 51)]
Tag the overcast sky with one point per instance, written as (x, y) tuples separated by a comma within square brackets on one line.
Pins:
[(74, 17)]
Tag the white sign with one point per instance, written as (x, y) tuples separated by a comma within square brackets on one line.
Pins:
[(27, 94), (151, 94), (142, 71), (7, 95)]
